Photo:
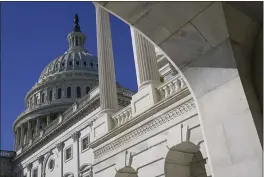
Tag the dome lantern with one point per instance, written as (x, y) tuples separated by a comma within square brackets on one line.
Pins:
[(76, 38)]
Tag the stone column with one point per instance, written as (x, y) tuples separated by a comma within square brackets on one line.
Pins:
[(145, 60), (147, 73), (29, 167), (106, 69), (40, 160), (29, 136), (48, 120), (37, 125), (75, 136), (60, 147), (18, 138), (21, 135)]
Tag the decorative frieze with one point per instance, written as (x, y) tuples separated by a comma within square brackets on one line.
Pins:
[(147, 127)]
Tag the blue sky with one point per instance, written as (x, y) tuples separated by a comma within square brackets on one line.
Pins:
[(33, 34)]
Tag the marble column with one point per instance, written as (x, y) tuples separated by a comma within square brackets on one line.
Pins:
[(29, 167), (60, 147), (29, 132), (21, 135), (48, 120), (145, 60), (106, 69), (37, 125), (75, 136), (40, 160)]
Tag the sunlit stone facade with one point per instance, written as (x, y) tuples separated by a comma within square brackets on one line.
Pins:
[(98, 128)]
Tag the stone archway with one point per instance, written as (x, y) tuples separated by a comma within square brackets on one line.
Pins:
[(204, 42), (184, 160), (126, 172)]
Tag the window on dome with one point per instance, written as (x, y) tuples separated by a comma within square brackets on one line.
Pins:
[(77, 63), (42, 97), (78, 92), (87, 90), (91, 64), (70, 63), (62, 64), (56, 66), (69, 92), (50, 95), (59, 93), (84, 63)]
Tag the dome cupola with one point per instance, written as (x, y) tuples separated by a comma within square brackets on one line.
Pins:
[(76, 38)]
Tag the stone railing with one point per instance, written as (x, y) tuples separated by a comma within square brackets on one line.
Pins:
[(170, 87), (9, 154), (122, 116), (125, 92)]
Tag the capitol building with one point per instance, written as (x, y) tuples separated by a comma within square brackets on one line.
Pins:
[(79, 122)]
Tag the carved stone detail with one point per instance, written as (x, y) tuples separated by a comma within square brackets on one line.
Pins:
[(40, 159), (75, 136), (29, 166), (60, 146), (151, 125)]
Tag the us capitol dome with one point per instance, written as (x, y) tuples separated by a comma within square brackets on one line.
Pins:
[(64, 81)]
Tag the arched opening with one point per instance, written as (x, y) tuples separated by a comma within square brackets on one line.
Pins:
[(69, 92), (126, 172), (68, 175), (59, 93), (185, 160), (86, 170), (78, 92)]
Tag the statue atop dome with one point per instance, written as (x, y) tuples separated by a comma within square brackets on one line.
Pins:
[(76, 27)]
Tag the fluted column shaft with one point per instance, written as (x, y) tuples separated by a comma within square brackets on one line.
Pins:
[(29, 130), (106, 69), (145, 59)]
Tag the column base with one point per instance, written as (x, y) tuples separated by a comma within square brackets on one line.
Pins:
[(102, 124), (145, 98)]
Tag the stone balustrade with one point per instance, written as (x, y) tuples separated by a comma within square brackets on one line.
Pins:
[(122, 116), (8, 154), (170, 87)]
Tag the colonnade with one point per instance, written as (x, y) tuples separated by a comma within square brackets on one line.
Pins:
[(25, 132), (146, 72), (144, 57)]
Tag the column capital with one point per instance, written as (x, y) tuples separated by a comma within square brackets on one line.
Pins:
[(75, 136), (29, 166), (60, 146), (41, 158)]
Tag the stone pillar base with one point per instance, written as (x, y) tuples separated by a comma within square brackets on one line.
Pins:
[(145, 98), (102, 124)]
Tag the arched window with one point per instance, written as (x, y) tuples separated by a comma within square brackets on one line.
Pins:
[(69, 92), (84, 63), (91, 64), (59, 93), (42, 97), (78, 92), (87, 90), (70, 63), (50, 95)]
